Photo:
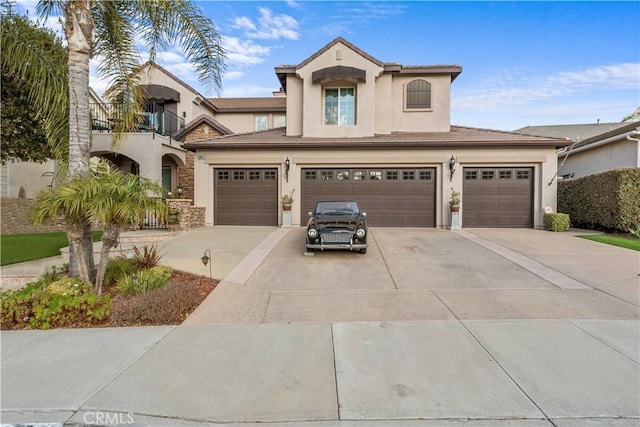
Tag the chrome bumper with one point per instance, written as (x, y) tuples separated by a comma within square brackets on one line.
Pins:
[(325, 246)]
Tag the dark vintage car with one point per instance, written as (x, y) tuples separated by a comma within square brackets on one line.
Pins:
[(337, 225)]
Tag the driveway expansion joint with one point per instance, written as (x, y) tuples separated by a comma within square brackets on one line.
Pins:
[(552, 276)]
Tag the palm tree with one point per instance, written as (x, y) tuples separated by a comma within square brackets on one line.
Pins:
[(115, 200), (65, 200), (107, 196), (109, 30)]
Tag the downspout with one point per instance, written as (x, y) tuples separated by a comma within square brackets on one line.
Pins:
[(597, 144), (555, 175)]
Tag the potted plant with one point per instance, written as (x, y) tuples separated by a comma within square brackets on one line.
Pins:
[(173, 216), (454, 200), (287, 200)]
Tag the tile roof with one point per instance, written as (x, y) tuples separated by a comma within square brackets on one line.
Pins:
[(573, 132), (235, 105), (459, 136)]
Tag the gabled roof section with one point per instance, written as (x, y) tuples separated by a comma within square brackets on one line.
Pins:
[(575, 132), (347, 44), (248, 105), (390, 67), (180, 82), (459, 136), (200, 120)]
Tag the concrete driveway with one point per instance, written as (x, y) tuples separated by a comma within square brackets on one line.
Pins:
[(511, 328), (429, 274)]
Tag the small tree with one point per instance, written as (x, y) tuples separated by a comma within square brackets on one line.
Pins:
[(108, 196), (115, 200)]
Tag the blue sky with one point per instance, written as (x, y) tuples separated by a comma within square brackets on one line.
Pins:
[(524, 63)]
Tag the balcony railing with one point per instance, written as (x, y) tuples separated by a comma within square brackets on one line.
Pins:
[(155, 119)]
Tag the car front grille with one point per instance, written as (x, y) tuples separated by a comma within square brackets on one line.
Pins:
[(337, 237)]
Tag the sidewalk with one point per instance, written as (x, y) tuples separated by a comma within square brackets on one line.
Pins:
[(495, 373), (457, 371)]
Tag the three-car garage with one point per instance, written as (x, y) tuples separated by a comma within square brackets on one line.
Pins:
[(392, 197)]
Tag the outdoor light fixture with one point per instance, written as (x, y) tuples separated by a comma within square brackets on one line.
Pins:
[(179, 190), (206, 257), (287, 166), (452, 167)]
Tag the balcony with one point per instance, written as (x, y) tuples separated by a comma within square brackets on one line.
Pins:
[(105, 116)]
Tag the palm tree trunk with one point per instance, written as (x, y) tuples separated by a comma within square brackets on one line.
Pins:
[(75, 237), (109, 240), (78, 28)]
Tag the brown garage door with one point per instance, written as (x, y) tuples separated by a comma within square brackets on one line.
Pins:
[(391, 197), (246, 197), (497, 197)]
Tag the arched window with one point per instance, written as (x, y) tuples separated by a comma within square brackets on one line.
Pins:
[(419, 94)]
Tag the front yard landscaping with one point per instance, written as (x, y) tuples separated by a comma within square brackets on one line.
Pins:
[(622, 241), (26, 247), (136, 292)]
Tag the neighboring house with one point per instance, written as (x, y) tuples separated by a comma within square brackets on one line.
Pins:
[(596, 147), (380, 133)]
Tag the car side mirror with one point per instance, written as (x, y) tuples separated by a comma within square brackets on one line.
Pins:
[(310, 213)]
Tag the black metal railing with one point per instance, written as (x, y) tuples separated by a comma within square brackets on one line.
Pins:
[(151, 221), (105, 116)]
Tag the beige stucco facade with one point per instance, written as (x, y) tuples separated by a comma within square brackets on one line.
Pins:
[(31, 176), (594, 158), (386, 134), (380, 96), (543, 162)]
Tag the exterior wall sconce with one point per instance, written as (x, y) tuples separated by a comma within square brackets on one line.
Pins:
[(452, 167), (205, 260), (287, 166), (179, 190)]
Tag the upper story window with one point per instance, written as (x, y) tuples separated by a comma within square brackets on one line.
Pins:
[(262, 122), (279, 120), (419, 94), (340, 106)]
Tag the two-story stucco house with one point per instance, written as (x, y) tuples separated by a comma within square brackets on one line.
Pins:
[(380, 133)]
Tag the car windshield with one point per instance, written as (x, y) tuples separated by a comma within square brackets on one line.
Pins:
[(337, 208)]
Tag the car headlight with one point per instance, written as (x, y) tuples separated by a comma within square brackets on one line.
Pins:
[(313, 233), (360, 232)]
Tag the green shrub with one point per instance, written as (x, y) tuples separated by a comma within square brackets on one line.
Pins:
[(64, 303), (144, 280), (117, 268), (605, 201), (556, 221), (149, 257)]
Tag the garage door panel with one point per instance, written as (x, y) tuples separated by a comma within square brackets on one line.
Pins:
[(394, 197), (505, 199), (246, 197)]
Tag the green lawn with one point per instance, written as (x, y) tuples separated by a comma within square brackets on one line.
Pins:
[(624, 242), (25, 247)]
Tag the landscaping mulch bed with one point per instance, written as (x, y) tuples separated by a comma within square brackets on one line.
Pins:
[(169, 305)]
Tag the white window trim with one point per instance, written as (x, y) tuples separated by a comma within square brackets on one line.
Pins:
[(324, 105)]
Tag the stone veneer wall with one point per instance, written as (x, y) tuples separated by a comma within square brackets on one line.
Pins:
[(189, 217), (186, 174), (14, 218)]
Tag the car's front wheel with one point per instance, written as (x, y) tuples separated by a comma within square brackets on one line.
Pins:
[(363, 251)]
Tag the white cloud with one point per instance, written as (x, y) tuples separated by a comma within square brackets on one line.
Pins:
[(268, 26), (515, 88), (234, 75), (244, 52)]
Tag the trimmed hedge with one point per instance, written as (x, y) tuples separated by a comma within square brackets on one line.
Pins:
[(556, 222), (604, 201)]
